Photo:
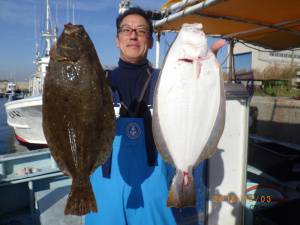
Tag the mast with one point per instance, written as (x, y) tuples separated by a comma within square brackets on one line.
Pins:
[(47, 33)]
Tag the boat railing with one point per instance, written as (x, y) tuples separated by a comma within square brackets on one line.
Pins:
[(27, 166)]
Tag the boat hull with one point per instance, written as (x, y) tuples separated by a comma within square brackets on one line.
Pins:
[(25, 116)]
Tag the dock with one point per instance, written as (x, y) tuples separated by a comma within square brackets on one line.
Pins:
[(33, 191)]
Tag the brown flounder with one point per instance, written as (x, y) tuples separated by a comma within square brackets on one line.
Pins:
[(78, 114), (188, 110)]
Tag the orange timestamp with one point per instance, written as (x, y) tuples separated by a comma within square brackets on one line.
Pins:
[(231, 198)]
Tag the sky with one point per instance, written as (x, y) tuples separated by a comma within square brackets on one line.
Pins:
[(21, 24)]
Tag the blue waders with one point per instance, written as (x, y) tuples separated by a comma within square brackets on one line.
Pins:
[(135, 193)]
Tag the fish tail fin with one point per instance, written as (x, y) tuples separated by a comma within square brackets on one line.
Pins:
[(81, 199), (182, 191)]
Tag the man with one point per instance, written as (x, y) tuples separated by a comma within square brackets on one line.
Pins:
[(132, 187)]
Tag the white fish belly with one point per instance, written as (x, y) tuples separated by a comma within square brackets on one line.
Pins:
[(187, 108)]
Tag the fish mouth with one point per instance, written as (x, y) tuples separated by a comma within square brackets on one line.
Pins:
[(187, 60), (191, 60)]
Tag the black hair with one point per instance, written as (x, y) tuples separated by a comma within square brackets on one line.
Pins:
[(136, 11)]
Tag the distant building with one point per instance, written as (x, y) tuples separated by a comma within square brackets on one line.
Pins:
[(257, 60), (4, 86)]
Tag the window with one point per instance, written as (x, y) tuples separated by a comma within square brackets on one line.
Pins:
[(284, 55), (243, 62)]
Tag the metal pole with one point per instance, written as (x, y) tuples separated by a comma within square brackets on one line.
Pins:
[(178, 5), (31, 197), (53, 162), (230, 66), (53, 173), (47, 32), (262, 26), (2, 171), (157, 58), (292, 58), (187, 11)]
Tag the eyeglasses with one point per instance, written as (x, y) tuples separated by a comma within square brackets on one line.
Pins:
[(127, 31)]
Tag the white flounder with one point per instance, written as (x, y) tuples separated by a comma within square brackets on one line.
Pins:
[(188, 109)]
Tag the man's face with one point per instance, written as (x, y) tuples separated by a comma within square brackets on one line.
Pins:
[(133, 39)]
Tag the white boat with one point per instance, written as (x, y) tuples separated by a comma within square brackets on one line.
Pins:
[(25, 115), (10, 88)]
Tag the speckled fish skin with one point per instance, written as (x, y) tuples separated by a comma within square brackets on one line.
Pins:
[(188, 110), (78, 114)]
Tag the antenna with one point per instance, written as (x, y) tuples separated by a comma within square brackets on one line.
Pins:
[(124, 5), (73, 5), (55, 33), (55, 30), (37, 53), (68, 8)]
